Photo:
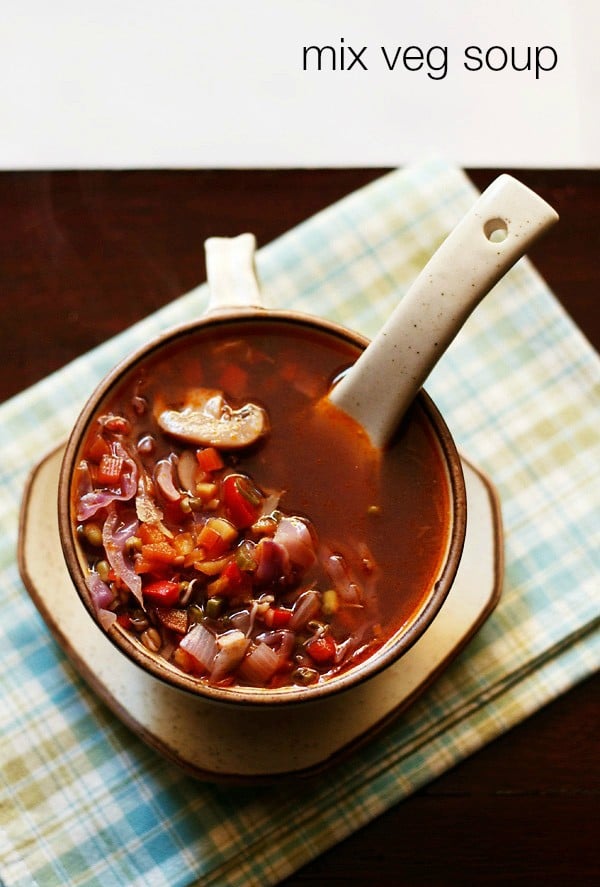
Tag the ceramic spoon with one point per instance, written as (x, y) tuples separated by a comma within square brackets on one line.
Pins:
[(377, 390), (503, 223)]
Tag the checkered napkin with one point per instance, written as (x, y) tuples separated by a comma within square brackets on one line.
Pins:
[(86, 802)]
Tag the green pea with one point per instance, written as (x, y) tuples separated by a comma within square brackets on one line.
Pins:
[(305, 676), (195, 614), (103, 570), (93, 534), (133, 544), (215, 607)]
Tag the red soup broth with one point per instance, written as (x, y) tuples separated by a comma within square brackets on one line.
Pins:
[(283, 562)]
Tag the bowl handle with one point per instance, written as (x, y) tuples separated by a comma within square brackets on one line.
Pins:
[(231, 273)]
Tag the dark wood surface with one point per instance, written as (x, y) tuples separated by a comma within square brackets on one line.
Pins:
[(85, 254)]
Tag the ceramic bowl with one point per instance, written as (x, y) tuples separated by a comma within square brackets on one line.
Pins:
[(235, 301)]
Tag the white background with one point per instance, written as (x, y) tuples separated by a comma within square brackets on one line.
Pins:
[(199, 83)]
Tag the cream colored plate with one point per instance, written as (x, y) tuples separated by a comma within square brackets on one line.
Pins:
[(218, 742)]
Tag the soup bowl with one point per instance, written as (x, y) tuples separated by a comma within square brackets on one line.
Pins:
[(284, 562)]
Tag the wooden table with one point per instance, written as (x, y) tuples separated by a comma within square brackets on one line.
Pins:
[(85, 254)]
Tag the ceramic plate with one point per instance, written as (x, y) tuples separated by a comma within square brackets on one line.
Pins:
[(225, 742)]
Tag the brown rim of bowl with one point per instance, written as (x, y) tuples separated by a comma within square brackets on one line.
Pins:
[(160, 667)]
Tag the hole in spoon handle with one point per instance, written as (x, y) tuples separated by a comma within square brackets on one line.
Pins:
[(231, 272), (503, 223)]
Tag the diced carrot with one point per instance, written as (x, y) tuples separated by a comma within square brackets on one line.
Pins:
[(183, 660), (97, 448), (151, 534), (109, 470), (209, 459), (216, 536), (144, 567), (211, 541), (141, 565), (161, 552)]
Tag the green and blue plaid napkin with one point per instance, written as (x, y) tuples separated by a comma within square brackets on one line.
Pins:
[(85, 802)]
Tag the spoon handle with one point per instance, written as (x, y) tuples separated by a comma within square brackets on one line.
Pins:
[(503, 223)]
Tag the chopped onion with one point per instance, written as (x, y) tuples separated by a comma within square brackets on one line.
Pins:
[(339, 573), (201, 644), (114, 541), (273, 561), (351, 644), (232, 647), (146, 508), (83, 479), (259, 665), (244, 619), (241, 620), (282, 641), (293, 534), (102, 598), (269, 504), (306, 607)]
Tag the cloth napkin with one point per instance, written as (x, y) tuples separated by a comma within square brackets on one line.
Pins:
[(85, 802)]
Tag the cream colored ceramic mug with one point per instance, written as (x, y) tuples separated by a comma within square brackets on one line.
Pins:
[(235, 309)]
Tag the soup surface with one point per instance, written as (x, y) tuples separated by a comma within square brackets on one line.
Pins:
[(243, 530)]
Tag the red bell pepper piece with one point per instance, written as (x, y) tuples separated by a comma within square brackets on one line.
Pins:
[(234, 575), (277, 617), (242, 500), (124, 620), (322, 649), (162, 592)]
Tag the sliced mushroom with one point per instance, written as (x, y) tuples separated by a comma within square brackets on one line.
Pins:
[(207, 420), (163, 476), (187, 470)]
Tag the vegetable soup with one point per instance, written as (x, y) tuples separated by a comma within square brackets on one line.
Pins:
[(243, 528)]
